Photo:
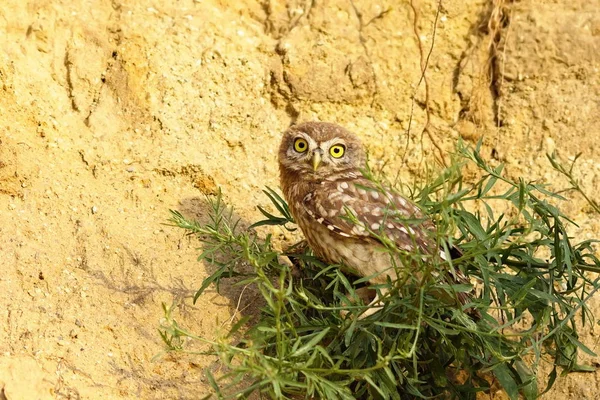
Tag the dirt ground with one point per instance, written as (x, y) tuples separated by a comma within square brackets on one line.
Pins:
[(114, 111)]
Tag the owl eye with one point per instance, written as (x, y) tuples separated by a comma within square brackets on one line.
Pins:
[(337, 151), (300, 145)]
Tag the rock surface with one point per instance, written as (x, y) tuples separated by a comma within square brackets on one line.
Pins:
[(112, 112)]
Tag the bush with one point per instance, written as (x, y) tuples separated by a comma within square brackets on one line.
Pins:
[(308, 342)]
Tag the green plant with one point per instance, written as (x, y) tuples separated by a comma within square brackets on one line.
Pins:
[(308, 343)]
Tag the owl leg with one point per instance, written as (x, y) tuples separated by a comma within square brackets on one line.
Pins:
[(375, 305), (364, 295)]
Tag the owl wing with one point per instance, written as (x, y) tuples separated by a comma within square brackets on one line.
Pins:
[(356, 208)]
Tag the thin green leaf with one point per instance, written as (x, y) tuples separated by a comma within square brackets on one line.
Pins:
[(311, 343)]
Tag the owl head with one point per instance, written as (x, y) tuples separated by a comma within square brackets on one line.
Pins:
[(319, 149)]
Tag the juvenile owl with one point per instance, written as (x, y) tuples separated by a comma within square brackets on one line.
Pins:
[(343, 215)]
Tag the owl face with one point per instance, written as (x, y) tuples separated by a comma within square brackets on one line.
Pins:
[(319, 149)]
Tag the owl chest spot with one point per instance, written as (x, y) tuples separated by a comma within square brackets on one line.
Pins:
[(362, 257)]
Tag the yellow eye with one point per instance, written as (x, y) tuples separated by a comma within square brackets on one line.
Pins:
[(337, 151), (300, 145)]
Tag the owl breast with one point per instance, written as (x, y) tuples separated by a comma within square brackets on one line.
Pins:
[(360, 257)]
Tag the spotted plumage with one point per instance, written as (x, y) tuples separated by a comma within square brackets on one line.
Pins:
[(344, 216)]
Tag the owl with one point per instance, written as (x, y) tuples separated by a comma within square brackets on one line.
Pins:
[(344, 216)]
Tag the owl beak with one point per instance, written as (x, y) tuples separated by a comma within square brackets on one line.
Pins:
[(316, 159)]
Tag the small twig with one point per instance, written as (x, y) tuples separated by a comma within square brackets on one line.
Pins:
[(501, 84), (363, 42), (572, 181), (237, 307), (424, 62)]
